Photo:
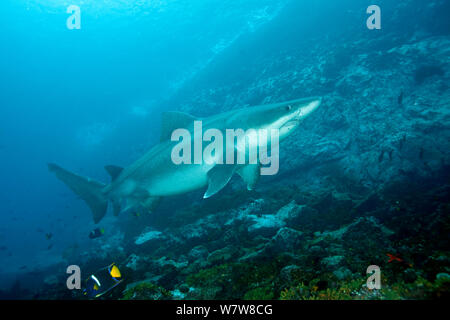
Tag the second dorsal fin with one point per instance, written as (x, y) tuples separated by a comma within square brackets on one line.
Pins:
[(173, 120), (113, 171)]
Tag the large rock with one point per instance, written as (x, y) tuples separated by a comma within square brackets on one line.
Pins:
[(149, 236), (198, 254), (333, 262), (267, 225), (162, 264), (342, 273), (363, 227), (286, 240), (364, 240), (222, 255), (289, 275), (137, 263), (292, 212)]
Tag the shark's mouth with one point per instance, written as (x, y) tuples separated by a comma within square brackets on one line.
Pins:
[(291, 124)]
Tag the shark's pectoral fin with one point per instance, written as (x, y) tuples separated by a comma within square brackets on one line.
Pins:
[(250, 174), (218, 177), (173, 120)]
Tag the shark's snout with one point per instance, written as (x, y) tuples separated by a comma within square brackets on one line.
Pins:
[(309, 107), (301, 109)]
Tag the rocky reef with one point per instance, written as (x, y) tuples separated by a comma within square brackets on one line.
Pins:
[(292, 244)]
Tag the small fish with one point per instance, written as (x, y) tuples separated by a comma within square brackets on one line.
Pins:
[(400, 99), (402, 142), (96, 233), (380, 158), (49, 235), (393, 258), (400, 261)]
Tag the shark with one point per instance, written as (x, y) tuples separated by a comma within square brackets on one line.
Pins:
[(155, 175)]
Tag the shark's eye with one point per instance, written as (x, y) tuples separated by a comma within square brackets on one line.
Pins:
[(288, 108)]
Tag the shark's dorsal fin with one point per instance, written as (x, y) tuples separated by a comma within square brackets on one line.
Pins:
[(113, 171), (250, 174), (218, 177), (172, 120)]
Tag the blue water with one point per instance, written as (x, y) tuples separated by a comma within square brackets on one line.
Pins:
[(74, 97), (90, 97)]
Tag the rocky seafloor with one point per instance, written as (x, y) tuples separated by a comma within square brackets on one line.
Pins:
[(367, 177), (285, 243)]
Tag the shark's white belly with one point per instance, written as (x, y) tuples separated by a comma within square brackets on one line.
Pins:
[(186, 178)]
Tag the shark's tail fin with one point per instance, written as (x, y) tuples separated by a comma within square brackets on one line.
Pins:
[(87, 189)]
